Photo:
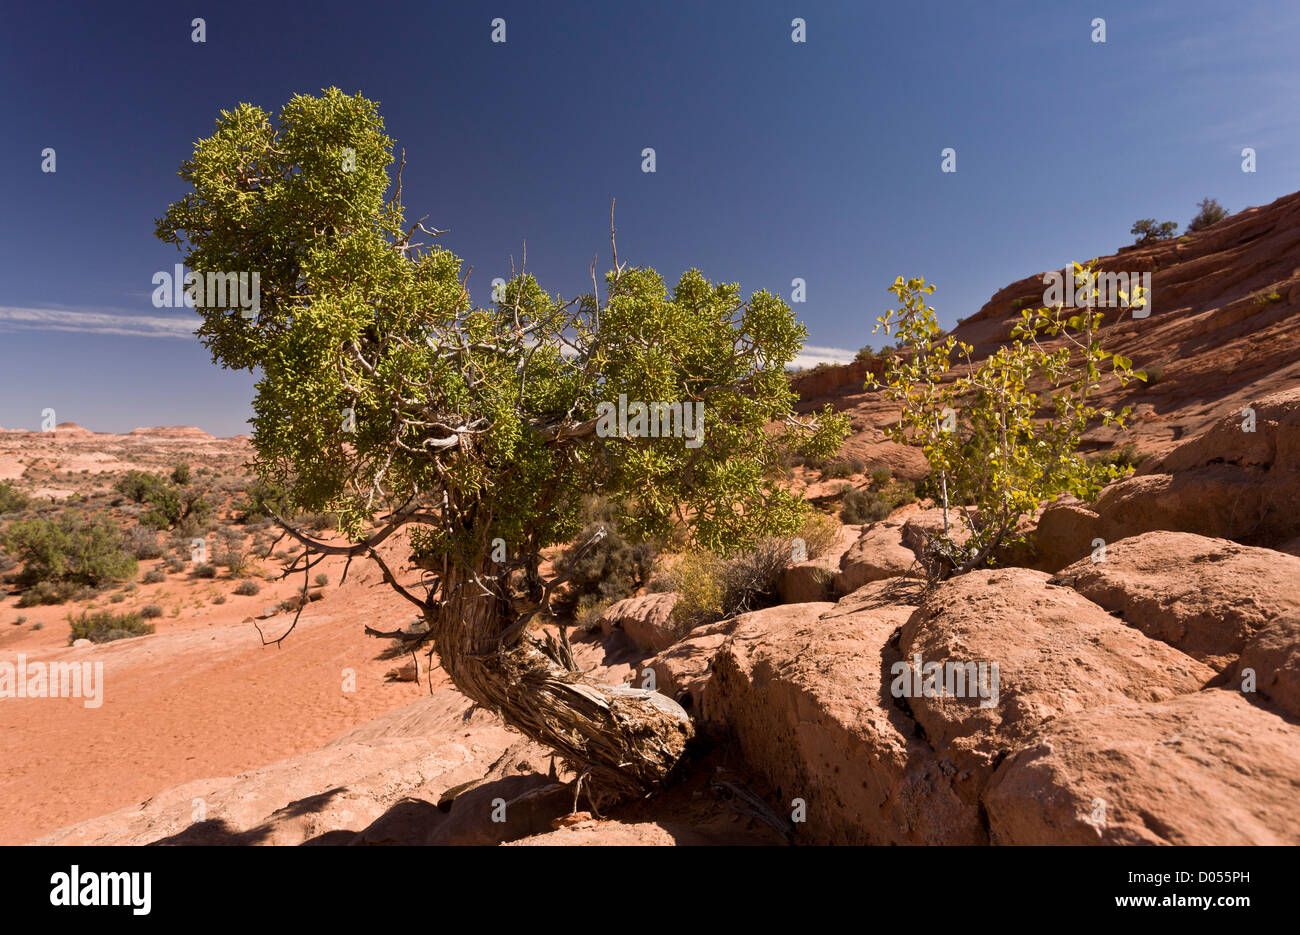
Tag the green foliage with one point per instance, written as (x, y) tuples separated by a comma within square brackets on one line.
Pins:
[(982, 432), (1125, 457), (1210, 212), (68, 552), (880, 475), (104, 626), (137, 485), (863, 505), (181, 474), (1149, 230), (865, 353), (484, 411), (12, 500)]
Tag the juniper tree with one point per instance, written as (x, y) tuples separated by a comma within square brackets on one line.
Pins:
[(387, 397)]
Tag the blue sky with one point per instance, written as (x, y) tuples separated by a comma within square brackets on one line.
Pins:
[(775, 160)]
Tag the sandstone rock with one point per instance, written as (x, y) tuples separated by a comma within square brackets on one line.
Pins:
[(1203, 768), (815, 579), (682, 670), (1273, 655), (806, 700), (645, 620), (1204, 596), (509, 808), (603, 834), (1056, 653), (879, 553), (1226, 483)]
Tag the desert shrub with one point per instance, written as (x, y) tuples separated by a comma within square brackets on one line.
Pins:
[(1211, 212), (697, 579), (880, 475), (104, 626), (151, 611), (1149, 230), (117, 598), (749, 577), (19, 620), (12, 500), (322, 579), (248, 588), (137, 485), (588, 611), (607, 567), (863, 505), (205, 570), (865, 353), (219, 599), (46, 592), (174, 565), (144, 543), (818, 533), (979, 433), (71, 550), (38, 625), (1124, 457), (843, 467), (153, 576), (181, 474), (1153, 374)]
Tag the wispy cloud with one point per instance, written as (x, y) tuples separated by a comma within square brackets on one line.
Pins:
[(812, 356), (175, 325)]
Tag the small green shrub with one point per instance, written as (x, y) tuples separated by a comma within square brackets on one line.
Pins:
[(104, 626), (69, 551), (181, 474), (153, 576), (1211, 212), (205, 570), (248, 588), (864, 505), (880, 476), (151, 611), (12, 500), (322, 579)]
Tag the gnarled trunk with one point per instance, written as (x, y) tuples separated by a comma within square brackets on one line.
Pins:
[(626, 740)]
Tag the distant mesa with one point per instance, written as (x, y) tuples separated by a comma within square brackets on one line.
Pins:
[(171, 431), (71, 428)]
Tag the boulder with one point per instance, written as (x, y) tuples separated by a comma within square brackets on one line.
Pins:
[(805, 697), (646, 620), (1226, 482), (1055, 653), (1203, 768), (1204, 596), (815, 579), (504, 810), (682, 670), (879, 553), (1273, 657)]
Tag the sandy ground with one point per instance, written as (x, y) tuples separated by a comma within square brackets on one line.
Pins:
[(202, 697)]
